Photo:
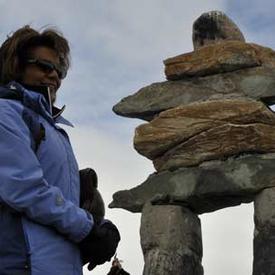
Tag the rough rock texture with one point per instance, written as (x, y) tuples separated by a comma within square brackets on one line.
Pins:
[(219, 143), (171, 244), (209, 187), (218, 58), (148, 102), (188, 135), (214, 27), (211, 139), (264, 240)]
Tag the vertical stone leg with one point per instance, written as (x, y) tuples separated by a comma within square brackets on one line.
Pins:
[(264, 234), (171, 241)]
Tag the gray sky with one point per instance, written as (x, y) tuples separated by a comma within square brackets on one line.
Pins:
[(117, 48)]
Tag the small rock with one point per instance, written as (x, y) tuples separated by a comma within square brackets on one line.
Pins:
[(215, 27), (149, 101)]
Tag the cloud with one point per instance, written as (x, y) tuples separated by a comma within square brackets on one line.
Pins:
[(256, 19)]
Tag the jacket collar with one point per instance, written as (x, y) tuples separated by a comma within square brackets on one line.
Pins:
[(38, 99)]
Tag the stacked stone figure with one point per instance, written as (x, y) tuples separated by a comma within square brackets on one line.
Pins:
[(211, 136)]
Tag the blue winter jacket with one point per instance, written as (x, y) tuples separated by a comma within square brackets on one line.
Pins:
[(40, 219)]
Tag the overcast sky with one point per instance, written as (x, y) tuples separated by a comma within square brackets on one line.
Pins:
[(117, 48)]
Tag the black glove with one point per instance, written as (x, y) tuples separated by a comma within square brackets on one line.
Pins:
[(90, 198), (100, 245)]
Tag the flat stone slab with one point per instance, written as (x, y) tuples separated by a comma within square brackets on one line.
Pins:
[(218, 58), (148, 102), (209, 187)]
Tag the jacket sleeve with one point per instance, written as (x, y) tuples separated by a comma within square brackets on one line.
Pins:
[(23, 187)]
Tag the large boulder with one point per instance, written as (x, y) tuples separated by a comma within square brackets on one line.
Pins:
[(190, 134)]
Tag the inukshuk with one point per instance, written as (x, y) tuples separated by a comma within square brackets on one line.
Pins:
[(211, 137)]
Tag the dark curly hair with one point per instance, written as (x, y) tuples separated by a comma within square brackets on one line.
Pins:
[(16, 49)]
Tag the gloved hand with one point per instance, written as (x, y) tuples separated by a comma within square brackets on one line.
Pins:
[(100, 245), (90, 198)]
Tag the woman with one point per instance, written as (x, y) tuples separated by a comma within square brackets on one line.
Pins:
[(43, 229)]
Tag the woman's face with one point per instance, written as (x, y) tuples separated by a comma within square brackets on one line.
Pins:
[(36, 74)]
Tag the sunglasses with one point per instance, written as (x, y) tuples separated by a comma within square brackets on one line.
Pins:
[(48, 67)]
